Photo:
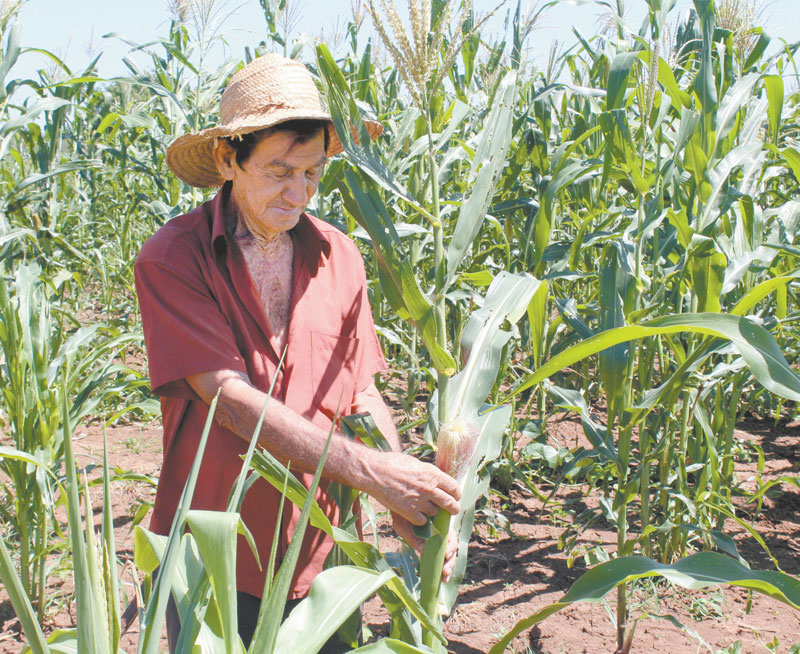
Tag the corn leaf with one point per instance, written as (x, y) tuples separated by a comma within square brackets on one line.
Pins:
[(488, 163), (483, 339), (389, 646), (153, 616), (695, 572), (334, 595), (215, 533), (774, 86), (21, 603), (618, 79), (756, 345), (394, 594)]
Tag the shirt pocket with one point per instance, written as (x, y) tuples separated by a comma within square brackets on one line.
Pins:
[(333, 372)]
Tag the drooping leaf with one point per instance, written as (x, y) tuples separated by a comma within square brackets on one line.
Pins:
[(695, 572), (756, 345)]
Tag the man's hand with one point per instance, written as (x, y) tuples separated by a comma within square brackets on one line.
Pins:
[(405, 530), (409, 487)]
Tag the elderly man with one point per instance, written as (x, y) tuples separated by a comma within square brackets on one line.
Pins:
[(227, 288)]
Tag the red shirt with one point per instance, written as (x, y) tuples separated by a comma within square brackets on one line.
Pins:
[(200, 313)]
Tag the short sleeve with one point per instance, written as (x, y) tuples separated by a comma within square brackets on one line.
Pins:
[(185, 331), (370, 360)]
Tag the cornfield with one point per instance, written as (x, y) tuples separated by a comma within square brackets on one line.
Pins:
[(615, 238)]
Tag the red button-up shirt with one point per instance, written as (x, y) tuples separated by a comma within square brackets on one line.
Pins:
[(200, 313)]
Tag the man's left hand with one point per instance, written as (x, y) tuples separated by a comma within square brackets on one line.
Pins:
[(405, 530)]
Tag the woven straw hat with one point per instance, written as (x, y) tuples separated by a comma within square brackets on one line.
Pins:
[(269, 90)]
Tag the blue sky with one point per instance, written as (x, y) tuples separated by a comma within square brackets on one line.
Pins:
[(74, 28)]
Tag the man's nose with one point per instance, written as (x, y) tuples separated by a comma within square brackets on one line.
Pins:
[(295, 191)]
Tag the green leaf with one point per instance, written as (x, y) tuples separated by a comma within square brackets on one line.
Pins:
[(273, 603), (613, 361), (20, 602), (389, 646), (620, 147), (488, 163), (618, 79), (153, 618), (395, 595), (148, 549), (483, 339), (397, 276), (334, 595), (706, 266), (756, 345), (774, 86), (695, 572), (215, 533)]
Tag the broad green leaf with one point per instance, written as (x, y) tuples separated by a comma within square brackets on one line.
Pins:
[(351, 130), (537, 320), (618, 79), (774, 86), (334, 595), (389, 646), (695, 572), (756, 345), (734, 101), (75, 164), (483, 339), (265, 464), (620, 146), (215, 533), (667, 79), (49, 103), (706, 266), (395, 595), (597, 434), (543, 225), (792, 157), (273, 603), (758, 292), (613, 361), (20, 602), (489, 161), (153, 617), (148, 549), (397, 276)]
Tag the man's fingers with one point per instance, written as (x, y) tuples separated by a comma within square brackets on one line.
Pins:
[(446, 501), (449, 486), (416, 518)]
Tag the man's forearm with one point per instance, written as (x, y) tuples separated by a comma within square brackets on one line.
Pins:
[(288, 436), (401, 483)]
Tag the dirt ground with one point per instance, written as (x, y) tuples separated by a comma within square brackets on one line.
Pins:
[(511, 576)]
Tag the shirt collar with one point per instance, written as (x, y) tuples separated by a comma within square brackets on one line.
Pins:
[(313, 243)]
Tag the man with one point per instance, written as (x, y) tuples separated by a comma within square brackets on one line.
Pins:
[(226, 288)]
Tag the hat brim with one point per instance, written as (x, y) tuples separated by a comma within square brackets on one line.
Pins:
[(191, 156)]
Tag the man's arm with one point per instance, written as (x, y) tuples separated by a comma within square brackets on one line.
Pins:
[(406, 486), (370, 401)]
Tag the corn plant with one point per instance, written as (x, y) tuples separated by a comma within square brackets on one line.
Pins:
[(370, 191), (37, 351)]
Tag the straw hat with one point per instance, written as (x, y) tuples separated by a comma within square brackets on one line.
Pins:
[(268, 91)]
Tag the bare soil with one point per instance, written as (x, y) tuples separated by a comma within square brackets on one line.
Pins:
[(512, 576)]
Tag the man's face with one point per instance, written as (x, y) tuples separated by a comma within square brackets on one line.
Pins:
[(272, 188)]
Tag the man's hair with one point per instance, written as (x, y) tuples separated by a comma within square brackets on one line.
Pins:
[(305, 129)]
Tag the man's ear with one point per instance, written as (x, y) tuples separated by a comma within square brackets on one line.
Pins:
[(224, 158)]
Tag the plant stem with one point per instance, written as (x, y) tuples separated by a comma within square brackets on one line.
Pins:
[(440, 265), (431, 574)]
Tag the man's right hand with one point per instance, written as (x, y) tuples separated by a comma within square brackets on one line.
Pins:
[(409, 487)]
